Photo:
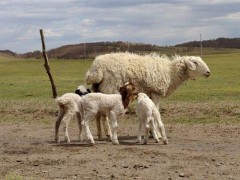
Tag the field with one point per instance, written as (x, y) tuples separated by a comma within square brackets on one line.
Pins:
[(202, 121)]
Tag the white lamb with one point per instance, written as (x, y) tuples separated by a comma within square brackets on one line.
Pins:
[(110, 105), (149, 116), (68, 108), (157, 76)]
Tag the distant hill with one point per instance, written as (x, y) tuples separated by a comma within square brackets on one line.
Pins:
[(7, 52), (215, 43), (91, 50)]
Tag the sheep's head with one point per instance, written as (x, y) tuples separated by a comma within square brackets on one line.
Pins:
[(129, 92), (82, 90), (196, 67)]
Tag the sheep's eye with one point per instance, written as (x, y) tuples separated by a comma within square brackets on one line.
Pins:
[(195, 63)]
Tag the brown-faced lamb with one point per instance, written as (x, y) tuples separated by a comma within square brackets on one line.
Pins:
[(109, 105)]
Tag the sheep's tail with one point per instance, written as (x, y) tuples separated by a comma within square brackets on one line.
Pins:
[(93, 76), (66, 104)]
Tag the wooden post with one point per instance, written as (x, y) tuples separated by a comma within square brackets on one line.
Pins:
[(46, 65)]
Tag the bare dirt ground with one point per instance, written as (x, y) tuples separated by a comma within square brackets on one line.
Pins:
[(193, 152)]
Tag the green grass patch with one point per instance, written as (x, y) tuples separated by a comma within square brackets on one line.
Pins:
[(25, 93)]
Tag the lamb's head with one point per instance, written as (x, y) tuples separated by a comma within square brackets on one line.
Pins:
[(196, 67), (129, 92), (82, 90)]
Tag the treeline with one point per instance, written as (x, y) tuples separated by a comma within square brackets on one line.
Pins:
[(215, 43), (91, 50)]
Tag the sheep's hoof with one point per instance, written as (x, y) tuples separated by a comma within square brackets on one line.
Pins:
[(156, 140), (100, 138)]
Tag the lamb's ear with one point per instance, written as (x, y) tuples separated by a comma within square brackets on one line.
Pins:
[(88, 90), (191, 65)]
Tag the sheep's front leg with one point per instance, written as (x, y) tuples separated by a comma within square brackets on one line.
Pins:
[(156, 100), (106, 127), (57, 124), (113, 118)]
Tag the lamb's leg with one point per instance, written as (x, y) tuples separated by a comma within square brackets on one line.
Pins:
[(79, 120), (139, 137), (157, 130), (146, 136), (99, 130), (114, 124), (106, 127), (57, 124), (153, 130), (85, 127), (161, 127), (66, 120)]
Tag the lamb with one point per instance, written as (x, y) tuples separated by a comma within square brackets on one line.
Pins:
[(157, 76), (148, 114), (68, 107), (109, 105)]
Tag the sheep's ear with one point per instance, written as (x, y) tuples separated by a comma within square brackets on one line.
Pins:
[(191, 65)]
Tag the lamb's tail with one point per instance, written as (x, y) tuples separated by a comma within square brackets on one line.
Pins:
[(62, 101)]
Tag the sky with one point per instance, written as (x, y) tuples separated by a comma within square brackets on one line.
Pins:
[(159, 22)]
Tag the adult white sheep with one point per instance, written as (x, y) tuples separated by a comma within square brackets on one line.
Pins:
[(157, 76), (149, 116)]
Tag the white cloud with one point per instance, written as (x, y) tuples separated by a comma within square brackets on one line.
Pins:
[(147, 21)]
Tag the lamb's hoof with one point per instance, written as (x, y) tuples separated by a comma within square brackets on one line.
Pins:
[(145, 142), (165, 141), (115, 142), (156, 140), (109, 137), (90, 142)]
